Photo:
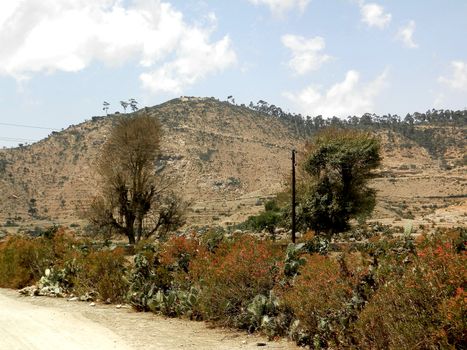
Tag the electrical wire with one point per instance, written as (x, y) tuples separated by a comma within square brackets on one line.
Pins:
[(19, 139), (15, 139), (28, 126)]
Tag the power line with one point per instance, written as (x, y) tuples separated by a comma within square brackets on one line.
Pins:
[(27, 126), (18, 139), (14, 139)]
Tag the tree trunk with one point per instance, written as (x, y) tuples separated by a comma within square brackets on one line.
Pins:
[(129, 229), (139, 228), (131, 239)]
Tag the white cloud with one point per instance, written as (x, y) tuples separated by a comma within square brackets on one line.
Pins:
[(280, 7), (374, 16), (349, 97), (196, 59), (68, 35), (405, 34), (458, 78), (306, 53)]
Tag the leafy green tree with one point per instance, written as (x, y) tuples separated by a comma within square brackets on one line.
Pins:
[(337, 167)]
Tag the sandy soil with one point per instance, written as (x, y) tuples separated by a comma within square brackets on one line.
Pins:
[(52, 323)]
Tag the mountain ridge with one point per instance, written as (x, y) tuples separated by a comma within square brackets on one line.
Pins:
[(227, 159)]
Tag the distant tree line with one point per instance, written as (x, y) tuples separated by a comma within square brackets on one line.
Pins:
[(305, 126)]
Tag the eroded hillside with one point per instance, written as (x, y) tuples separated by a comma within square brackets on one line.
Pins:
[(225, 160), (217, 153)]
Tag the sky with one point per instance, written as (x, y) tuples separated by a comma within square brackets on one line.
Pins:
[(61, 59)]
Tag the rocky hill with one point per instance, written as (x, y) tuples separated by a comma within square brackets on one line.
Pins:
[(226, 160)]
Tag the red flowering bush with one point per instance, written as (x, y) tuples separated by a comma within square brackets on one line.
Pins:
[(178, 251), (320, 296), (453, 314), (23, 261), (232, 276), (102, 272), (160, 281), (424, 308), (390, 293)]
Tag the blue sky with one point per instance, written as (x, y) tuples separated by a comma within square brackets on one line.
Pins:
[(60, 59)]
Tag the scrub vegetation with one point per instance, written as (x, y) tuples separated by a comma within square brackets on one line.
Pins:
[(389, 292)]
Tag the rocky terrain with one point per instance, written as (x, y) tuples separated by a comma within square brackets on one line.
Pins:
[(226, 160)]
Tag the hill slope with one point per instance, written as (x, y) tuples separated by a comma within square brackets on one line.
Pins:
[(226, 159)]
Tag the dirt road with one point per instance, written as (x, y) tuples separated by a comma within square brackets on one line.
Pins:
[(52, 323)]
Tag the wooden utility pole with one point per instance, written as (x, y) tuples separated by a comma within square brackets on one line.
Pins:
[(293, 196)]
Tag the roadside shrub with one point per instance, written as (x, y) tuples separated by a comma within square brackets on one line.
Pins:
[(159, 280), (230, 278), (178, 251), (175, 258), (23, 260), (453, 315), (213, 238), (460, 241), (64, 245), (72, 265), (322, 298), (423, 308), (387, 292), (143, 282), (102, 272)]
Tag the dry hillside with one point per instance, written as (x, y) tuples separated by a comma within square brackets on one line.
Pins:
[(225, 159)]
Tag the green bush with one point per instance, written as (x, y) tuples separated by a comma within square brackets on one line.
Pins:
[(268, 220)]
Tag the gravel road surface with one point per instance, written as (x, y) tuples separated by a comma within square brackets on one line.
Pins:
[(36, 323)]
